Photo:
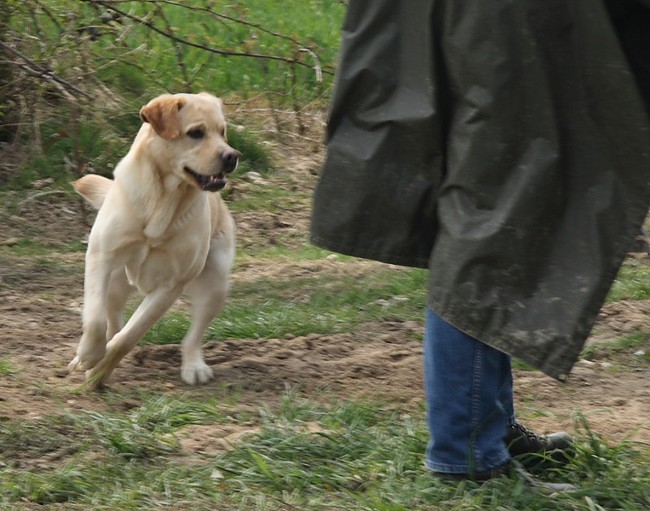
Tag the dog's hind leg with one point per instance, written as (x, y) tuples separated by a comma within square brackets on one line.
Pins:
[(208, 294), (205, 307)]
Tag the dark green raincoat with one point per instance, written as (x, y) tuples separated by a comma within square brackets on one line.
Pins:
[(504, 145)]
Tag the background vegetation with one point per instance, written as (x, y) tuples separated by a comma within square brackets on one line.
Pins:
[(74, 73)]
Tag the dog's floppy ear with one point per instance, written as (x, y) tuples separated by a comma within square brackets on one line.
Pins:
[(163, 115)]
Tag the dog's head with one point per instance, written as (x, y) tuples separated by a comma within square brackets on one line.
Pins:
[(188, 138)]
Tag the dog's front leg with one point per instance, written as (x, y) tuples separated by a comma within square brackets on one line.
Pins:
[(92, 345), (153, 306)]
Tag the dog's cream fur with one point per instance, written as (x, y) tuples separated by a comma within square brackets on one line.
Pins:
[(160, 230)]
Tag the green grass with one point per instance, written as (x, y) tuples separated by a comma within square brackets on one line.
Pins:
[(267, 199), (276, 307), (314, 24), (347, 455), (633, 281), (253, 157), (628, 351), (38, 247), (36, 270), (6, 368)]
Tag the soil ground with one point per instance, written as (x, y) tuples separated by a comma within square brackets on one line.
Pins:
[(40, 299)]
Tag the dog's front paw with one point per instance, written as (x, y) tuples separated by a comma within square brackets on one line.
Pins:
[(88, 355), (95, 379), (73, 365), (196, 373), (83, 363)]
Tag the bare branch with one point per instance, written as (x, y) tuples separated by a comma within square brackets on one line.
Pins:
[(317, 67), (177, 49), (41, 194), (224, 17), (108, 4), (36, 70)]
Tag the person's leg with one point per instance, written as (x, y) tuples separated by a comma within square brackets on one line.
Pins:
[(507, 396), (465, 382)]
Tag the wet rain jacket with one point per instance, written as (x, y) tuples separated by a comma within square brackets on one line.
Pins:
[(504, 145)]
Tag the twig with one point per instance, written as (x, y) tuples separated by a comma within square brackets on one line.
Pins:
[(41, 194), (172, 37), (177, 49), (317, 67), (215, 14), (37, 70)]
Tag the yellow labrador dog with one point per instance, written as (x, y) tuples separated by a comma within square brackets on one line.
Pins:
[(160, 230)]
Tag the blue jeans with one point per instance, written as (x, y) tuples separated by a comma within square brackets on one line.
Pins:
[(469, 394)]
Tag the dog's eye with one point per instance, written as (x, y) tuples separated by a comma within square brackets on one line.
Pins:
[(196, 133)]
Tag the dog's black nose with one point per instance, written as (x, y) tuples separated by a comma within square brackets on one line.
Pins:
[(229, 160)]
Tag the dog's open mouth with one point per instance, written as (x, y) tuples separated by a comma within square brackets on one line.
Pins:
[(208, 183)]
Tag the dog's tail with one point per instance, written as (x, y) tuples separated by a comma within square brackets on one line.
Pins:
[(93, 188)]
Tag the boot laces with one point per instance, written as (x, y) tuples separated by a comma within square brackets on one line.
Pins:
[(529, 434)]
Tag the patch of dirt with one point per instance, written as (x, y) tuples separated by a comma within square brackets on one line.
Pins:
[(213, 439), (40, 301), (217, 438)]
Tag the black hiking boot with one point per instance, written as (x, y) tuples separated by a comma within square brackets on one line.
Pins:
[(538, 452)]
